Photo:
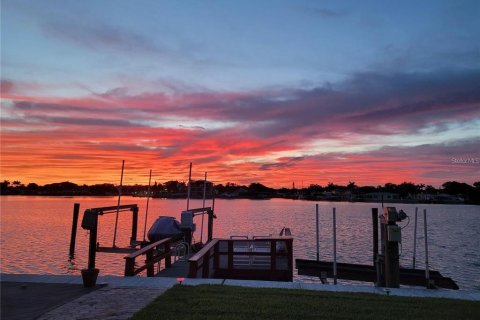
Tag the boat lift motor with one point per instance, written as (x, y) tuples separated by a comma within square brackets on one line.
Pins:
[(187, 226), (391, 236)]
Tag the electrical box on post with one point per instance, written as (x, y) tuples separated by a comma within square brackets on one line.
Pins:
[(394, 233)]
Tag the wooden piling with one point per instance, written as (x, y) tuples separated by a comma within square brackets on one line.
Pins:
[(76, 210)]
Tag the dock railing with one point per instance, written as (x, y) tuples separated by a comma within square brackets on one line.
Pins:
[(261, 258), (202, 264), (154, 252)]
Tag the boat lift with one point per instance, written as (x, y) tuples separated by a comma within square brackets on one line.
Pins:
[(90, 223)]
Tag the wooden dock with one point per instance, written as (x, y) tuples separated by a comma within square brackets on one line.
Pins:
[(261, 258), (358, 272)]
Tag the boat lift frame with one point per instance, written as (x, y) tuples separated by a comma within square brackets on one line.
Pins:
[(90, 222)]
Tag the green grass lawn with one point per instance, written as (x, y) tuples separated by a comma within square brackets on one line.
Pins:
[(227, 302)]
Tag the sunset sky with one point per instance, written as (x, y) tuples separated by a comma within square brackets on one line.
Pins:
[(251, 91)]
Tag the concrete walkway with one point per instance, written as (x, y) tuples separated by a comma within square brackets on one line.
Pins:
[(25, 301), (120, 297)]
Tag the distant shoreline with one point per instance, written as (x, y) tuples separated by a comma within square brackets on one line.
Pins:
[(400, 201), (452, 192)]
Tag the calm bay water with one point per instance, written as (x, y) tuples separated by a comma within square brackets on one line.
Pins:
[(35, 232)]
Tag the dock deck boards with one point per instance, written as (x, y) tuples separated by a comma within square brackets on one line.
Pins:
[(179, 269)]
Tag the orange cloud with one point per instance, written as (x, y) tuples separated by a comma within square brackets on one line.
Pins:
[(314, 136)]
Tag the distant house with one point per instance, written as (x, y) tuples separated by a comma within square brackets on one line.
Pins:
[(238, 193), (448, 198), (378, 196), (425, 197), (327, 195)]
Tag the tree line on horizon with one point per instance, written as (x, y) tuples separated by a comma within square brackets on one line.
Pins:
[(174, 188)]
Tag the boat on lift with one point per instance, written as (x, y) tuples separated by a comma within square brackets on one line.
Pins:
[(182, 231)]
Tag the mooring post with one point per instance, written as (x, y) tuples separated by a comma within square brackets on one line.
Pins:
[(318, 233), (427, 273), (415, 239), (334, 247), (76, 210)]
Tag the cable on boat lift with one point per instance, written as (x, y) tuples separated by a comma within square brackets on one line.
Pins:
[(189, 185), (146, 210), (203, 213), (118, 204)]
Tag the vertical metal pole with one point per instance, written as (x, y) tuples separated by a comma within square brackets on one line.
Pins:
[(203, 213), (376, 260), (118, 204), (146, 210), (415, 239), (318, 233), (334, 247), (76, 210), (427, 273), (189, 185), (375, 235)]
